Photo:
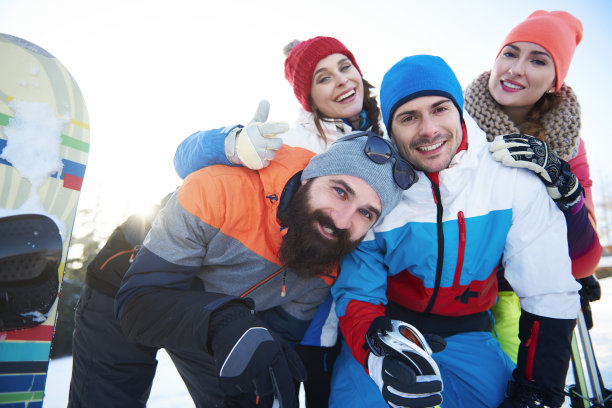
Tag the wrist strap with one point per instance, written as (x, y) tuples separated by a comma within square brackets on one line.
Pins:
[(230, 143)]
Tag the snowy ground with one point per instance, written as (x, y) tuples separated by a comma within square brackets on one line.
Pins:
[(170, 392)]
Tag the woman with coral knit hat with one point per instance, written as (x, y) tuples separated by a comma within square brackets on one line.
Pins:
[(525, 94)]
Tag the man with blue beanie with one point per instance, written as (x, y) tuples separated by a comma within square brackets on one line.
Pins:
[(432, 263)]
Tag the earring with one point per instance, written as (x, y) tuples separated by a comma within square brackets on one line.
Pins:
[(551, 90)]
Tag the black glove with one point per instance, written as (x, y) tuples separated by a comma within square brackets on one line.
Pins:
[(542, 363), (526, 151), (523, 396), (590, 292), (400, 363), (250, 360)]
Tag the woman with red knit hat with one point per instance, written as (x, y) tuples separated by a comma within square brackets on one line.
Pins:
[(525, 94), (328, 84), (335, 100)]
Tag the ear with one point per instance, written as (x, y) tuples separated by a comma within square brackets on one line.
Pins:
[(553, 86), (313, 107)]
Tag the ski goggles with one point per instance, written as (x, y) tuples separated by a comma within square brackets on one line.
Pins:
[(380, 150)]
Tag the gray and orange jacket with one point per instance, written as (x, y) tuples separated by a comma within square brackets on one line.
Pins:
[(216, 241)]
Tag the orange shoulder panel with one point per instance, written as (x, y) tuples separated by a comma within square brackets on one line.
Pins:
[(235, 199)]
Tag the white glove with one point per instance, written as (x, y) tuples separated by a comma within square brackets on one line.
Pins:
[(400, 364), (256, 144)]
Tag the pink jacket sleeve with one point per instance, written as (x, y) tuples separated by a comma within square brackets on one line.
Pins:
[(584, 245)]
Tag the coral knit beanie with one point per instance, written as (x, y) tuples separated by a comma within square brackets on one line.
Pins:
[(558, 32), (302, 60)]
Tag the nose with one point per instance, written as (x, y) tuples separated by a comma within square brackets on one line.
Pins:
[(342, 80), (342, 218), (517, 68), (428, 126)]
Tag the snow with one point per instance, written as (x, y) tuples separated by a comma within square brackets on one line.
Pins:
[(169, 391), (34, 137), (606, 261)]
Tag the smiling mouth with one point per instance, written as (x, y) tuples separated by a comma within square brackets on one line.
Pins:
[(512, 85), (345, 95), (327, 231), (430, 147)]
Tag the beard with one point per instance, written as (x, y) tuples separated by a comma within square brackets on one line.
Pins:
[(303, 248)]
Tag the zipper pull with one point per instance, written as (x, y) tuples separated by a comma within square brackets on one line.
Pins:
[(284, 286)]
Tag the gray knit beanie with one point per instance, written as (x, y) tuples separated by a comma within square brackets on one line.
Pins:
[(348, 157)]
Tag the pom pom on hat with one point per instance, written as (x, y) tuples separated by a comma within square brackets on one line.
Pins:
[(558, 32), (302, 60)]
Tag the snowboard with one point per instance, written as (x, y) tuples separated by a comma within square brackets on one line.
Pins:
[(44, 145)]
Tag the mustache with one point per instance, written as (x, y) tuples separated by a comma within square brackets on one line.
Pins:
[(326, 222), (426, 140)]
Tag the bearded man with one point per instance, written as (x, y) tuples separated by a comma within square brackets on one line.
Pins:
[(237, 262)]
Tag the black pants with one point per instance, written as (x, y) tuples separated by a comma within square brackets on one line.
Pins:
[(110, 371), (107, 369), (319, 363)]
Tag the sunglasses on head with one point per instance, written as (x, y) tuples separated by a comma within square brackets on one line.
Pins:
[(380, 150)]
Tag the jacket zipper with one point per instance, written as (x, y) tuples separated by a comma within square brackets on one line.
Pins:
[(531, 345), (461, 250), (119, 254), (267, 279), (438, 200)]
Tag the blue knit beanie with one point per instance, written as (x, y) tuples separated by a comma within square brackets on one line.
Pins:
[(415, 76)]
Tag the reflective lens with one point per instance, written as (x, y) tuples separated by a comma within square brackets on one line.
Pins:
[(378, 150), (403, 173)]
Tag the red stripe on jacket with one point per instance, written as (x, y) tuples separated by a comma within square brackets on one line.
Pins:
[(355, 324)]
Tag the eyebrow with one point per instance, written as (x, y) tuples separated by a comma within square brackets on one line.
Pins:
[(351, 192), (342, 61), (541, 53), (514, 47), (412, 112), (318, 71)]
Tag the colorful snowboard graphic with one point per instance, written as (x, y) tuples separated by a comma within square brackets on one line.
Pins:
[(44, 144)]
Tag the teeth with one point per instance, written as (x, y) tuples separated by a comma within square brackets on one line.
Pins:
[(346, 95), (430, 148), (513, 86), (328, 230)]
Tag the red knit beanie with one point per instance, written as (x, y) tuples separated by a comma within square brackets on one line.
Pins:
[(302, 60), (558, 32)]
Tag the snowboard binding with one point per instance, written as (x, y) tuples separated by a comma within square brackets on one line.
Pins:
[(30, 253)]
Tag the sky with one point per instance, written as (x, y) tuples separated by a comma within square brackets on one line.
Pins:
[(153, 72), (170, 392)]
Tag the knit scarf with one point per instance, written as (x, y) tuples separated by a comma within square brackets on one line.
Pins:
[(562, 123)]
